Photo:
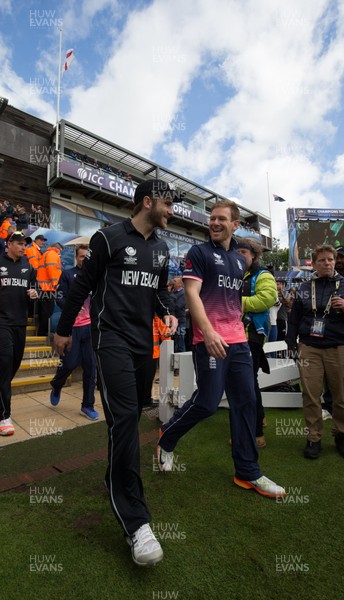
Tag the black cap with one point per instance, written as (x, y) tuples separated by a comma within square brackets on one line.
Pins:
[(340, 250), (41, 237), (157, 187), (18, 236)]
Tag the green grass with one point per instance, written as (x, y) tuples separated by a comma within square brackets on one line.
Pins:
[(41, 451), (220, 542)]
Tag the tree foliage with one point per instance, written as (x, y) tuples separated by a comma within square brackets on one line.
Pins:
[(278, 258)]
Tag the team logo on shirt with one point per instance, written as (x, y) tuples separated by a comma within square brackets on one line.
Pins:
[(218, 259), (3, 270), (24, 270), (131, 259), (240, 265)]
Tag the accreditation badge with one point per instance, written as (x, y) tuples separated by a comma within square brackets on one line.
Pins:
[(318, 328)]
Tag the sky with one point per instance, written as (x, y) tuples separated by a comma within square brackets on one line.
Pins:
[(243, 97)]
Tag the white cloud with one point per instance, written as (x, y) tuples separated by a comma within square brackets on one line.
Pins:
[(279, 68), (78, 18), (336, 176), (22, 94)]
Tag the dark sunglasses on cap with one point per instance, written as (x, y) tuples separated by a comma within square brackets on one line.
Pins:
[(18, 236)]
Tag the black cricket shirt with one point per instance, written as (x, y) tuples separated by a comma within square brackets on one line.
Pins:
[(16, 277), (127, 276)]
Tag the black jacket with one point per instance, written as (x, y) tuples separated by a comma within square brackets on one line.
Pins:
[(15, 279), (301, 315), (127, 275), (65, 283), (179, 306), (22, 220)]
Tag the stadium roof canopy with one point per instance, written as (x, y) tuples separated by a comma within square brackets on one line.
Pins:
[(139, 167)]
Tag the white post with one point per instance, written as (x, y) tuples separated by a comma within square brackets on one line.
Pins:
[(58, 94), (269, 201)]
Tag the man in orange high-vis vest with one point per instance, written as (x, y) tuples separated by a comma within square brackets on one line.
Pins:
[(34, 252), (48, 275), (160, 333), (5, 225)]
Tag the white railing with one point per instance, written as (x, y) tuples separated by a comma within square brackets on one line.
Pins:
[(172, 396)]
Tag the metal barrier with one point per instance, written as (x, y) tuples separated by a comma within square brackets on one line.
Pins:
[(172, 396)]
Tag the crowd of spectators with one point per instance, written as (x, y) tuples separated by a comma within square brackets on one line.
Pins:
[(92, 162), (20, 217), (249, 227)]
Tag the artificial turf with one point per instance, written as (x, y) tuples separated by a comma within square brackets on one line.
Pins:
[(220, 541)]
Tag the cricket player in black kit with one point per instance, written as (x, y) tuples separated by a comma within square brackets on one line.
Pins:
[(126, 270), (17, 288)]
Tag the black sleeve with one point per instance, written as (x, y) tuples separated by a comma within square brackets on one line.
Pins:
[(85, 282), (32, 281), (294, 320), (32, 276), (62, 289)]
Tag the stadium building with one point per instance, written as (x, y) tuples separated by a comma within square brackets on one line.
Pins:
[(83, 182)]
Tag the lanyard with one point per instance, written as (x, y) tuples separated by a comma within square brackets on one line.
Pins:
[(314, 302)]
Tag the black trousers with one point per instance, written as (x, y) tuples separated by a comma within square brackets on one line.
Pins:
[(45, 308), (151, 367), (123, 383), (12, 344), (256, 351)]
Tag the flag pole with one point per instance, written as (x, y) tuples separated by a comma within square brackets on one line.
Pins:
[(58, 93), (269, 201)]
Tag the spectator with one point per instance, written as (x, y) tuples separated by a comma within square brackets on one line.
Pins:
[(170, 291), (34, 252), (327, 397), (5, 227), (273, 312), (21, 218), (7, 211), (48, 275), (160, 333), (259, 294), (37, 216), (180, 312), (81, 351), (317, 319), (14, 301), (285, 307), (340, 260), (74, 155)]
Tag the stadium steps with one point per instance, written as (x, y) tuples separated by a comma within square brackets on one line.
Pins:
[(38, 365), (36, 340)]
